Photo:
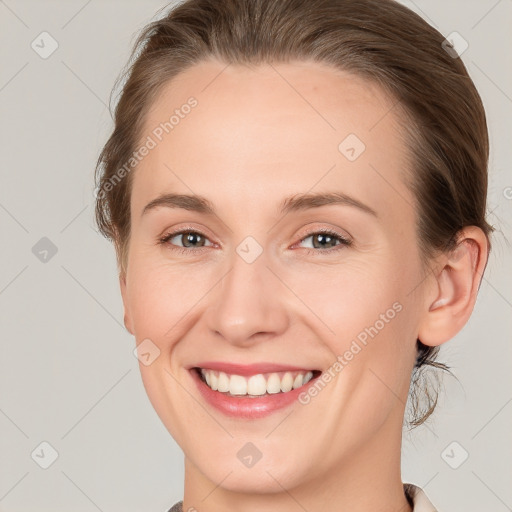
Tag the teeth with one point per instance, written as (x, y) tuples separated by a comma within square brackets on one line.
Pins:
[(256, 385), (214, 381), (287, 382), (223, 383), (273, 384), (299, 380), (237, 385)]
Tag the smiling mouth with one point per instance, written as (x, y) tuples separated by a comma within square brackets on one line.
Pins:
[(257, 385)]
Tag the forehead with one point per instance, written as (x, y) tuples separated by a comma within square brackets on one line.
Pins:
[(269, 131)]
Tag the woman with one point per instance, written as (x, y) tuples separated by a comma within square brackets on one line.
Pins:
[(296, 191)]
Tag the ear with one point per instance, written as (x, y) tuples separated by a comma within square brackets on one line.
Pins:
[(124, 294), (452, 295)]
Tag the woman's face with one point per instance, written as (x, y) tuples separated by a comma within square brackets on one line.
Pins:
[(258, 283)]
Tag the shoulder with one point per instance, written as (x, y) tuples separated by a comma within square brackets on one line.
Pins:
[(418, 498)]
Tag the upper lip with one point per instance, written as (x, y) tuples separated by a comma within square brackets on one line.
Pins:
[(248, 369)]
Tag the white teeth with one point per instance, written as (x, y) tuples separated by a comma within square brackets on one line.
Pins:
[(256, 385), (237, 385), (287, 382), (211, 379), (297, 383), (223, 383), (273, 383)]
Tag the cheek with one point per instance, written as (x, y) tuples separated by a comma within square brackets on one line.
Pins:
[(366, 313), (161, 295), (373, 342), (355, 299), (347, 297)]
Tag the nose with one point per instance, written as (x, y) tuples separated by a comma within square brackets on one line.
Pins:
[(248, 305)]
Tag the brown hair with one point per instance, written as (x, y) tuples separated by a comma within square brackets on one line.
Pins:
[(380, 40)]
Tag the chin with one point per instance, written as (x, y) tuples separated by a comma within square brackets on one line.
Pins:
[(264, 480)]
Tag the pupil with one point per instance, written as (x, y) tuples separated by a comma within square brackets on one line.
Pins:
[(323, 240), (189, 239)]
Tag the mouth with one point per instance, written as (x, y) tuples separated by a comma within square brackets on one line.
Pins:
[(256, 385)]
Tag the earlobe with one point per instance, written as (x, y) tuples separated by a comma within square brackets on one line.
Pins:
[(454, 288), (127, 317)]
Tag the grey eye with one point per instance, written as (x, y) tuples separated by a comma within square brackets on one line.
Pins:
[(189, 239), (323, 240)]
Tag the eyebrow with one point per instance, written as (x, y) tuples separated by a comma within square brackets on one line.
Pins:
[(297, 202)]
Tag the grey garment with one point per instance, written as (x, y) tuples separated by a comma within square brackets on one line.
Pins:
[(415, 496), (177, 507)]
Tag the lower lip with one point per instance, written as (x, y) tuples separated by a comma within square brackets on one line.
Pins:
[(246, 406)]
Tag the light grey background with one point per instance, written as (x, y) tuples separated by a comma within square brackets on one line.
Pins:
[(67, 372)]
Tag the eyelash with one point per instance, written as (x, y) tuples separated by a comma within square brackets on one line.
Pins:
[(343, 242)]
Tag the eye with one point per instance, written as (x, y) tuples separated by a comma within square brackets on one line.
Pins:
[(188, 239), (185, 239), (326, 240)]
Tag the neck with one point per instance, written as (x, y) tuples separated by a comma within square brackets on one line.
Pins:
[(366, 479)]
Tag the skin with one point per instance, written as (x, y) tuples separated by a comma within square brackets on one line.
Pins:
[(259, 135)]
